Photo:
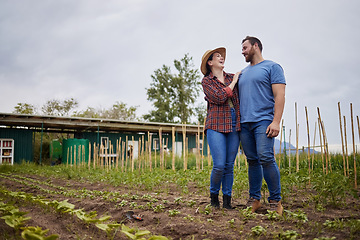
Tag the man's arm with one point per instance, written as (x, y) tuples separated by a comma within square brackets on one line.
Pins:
[(279, 96)]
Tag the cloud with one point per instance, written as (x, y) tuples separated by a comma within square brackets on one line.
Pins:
[(102, 52)]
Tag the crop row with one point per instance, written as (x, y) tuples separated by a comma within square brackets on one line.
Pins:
[(17, 220)]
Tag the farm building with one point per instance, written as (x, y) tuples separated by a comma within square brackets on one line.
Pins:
[(23, 130)]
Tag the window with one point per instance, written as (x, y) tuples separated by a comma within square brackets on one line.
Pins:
[(156, 144), (105, 142)]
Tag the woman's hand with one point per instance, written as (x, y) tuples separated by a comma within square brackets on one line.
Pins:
[(235, 80), (236, 77)]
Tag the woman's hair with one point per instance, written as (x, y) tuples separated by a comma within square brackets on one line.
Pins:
[(208, 69)]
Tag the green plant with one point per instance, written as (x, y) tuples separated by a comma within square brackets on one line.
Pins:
[(232, 222), (299, 215), (158, 208), (191, 203), (32, 233), (258, 230), (287, 235), (173, 212)]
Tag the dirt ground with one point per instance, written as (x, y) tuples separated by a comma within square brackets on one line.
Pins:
[(193, 221)]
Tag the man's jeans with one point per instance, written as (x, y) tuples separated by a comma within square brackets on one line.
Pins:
[(259, 151), (223, 147)]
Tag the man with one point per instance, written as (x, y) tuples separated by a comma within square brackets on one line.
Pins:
[(262, 99)]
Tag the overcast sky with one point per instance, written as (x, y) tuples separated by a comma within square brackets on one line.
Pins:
[(100, 52)]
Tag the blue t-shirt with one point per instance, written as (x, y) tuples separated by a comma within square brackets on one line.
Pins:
[(255, 91)]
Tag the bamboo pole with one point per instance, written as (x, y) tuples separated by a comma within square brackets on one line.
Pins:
[(308, 136), (184, 145), (67, 158), (132, 153), (297, 138), (139, 156), (342, 139), (281, 134), (321, 146), (75, 148), (150, 143), (324, 140), (198, 147), (94, 156), (143, 153), (123, 153), (208, 154), (161, 155), (89, 161), (202, 145), (289, 151), (313, 153), (326, 150), (346, 147), (358, 124), (353, 140), (173, 147)]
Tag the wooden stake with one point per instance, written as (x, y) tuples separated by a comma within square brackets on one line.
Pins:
[(150, 143), (313, 154), (324, 138), (67, 157), (281, 134), (173, 147), (132, 153), (184, 145), (123, 153), (353, 140), (89, 161), (346, 147), (342, 139), (308, 136), (289, 151), (297, 139), (321, 146)]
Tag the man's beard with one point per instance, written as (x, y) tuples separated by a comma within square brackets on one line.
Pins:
[(249, 57)]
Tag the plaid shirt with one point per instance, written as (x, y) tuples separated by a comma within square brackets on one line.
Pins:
[(218, 108)]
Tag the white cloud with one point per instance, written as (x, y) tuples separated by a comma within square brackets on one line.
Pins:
[(102, 52)]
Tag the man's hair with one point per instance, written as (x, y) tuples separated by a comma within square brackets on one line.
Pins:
[(252, 41)]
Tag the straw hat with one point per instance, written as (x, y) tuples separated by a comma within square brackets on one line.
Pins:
[(206, 56)]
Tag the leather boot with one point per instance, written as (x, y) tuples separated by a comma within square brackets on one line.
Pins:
[(227, 202), (214, 200)]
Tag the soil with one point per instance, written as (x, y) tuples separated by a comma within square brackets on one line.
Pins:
[(191, 222)]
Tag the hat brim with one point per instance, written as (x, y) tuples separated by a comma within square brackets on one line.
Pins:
[(207, 54)]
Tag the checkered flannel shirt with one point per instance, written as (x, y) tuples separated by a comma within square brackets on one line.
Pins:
[(217, 96)]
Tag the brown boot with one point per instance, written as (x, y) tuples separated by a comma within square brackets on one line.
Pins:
[(254, 204), (276, 206)]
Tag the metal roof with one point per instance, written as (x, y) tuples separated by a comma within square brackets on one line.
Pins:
[(77, 124)]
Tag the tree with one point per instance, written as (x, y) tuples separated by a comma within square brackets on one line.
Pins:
[(57, 108), (118, 111), (200, 112), (174, 95), (24, 108)]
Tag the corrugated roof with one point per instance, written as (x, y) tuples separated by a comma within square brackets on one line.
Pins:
[(74, 124)]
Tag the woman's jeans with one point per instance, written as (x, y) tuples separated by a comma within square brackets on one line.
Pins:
[(223, 147), (259, 151)]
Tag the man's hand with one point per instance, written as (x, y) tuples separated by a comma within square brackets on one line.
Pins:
[(273, 130)]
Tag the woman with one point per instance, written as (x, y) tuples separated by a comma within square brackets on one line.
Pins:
[(222, 126)]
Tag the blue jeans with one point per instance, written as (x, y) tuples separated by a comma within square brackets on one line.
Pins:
[(259, 151), (223, 148)]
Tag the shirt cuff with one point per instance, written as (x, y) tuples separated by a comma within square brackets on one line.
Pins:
[(229, 92)]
